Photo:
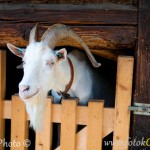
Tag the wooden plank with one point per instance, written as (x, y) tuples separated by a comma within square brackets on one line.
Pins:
[(140, 124), (96, 37), (106, 54), (44, 137), (103, 41), (68, 125), (19, 125), (81, 117), (95, 125), (125, 2), (2, 93), (122, 102), (70, 14)]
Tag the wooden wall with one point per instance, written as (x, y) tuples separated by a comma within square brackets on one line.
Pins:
[(108, 28), (125, 2), (141, 124)]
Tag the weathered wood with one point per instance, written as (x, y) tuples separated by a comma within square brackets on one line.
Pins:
[(16, 22), (128, 2), (141, 124), (19, 126), (106, 54), (68, 125), (97, 37), (41, 142), (122, 102), (2, 93), (70, 14), (15, 29)]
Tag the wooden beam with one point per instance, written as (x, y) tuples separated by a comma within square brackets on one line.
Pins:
[(16, 21), (103, 40), (2, 93), (141, 124), (91, 14), (106, 54), (125, 2)]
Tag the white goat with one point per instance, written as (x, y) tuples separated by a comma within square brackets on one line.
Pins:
[(46, 69)]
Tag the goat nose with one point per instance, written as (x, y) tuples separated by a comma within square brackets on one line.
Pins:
[(24, 88)]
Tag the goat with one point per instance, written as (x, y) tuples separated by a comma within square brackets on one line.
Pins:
[(48, 69)]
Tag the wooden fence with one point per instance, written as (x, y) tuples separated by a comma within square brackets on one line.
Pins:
[(99, 121)]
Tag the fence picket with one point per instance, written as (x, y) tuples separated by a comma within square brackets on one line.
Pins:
[(68, 125), (95, 125), (19, 124), (122, 101), (44, 138)]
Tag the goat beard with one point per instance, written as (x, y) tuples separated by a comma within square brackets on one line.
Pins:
[(35, 107)]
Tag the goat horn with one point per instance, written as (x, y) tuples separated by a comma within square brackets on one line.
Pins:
[(57, 32), (33, 34)]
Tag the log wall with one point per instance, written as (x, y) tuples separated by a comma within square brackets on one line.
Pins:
[(125, 2), (104, 27)]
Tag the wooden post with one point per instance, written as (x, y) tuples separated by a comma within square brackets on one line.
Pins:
[(19, 132), (122, 102), (44, 138), (141, 123), (68, 125), (2, 93), (95, 125)]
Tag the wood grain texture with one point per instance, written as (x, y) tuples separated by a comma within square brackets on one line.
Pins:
[(95, 125), (91, 22), (125, 2), (68, 125), (82, 114), (41, 142), (2, 93), (81, 136), (19, 126), (141, 124), (96, 37), (70, 14), (122, 102)]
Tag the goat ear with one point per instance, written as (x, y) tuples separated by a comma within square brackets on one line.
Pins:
[(61, 54), (16, 50)]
